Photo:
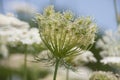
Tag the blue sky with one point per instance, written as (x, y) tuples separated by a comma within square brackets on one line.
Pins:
[(101, 10)]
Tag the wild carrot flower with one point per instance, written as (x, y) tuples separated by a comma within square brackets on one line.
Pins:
[(63, 34), (100, 75), (113, 61), (82, 59), (10, 26), (110, 45)]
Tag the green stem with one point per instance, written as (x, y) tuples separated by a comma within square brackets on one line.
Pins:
[(25, 64), (56, 69), (116, 12), (67, 74), (10, 76)]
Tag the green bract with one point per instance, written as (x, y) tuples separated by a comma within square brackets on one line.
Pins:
[(63, 34)]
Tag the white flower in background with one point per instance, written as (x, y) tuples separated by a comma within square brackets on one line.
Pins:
[(25, 36), (113, 61), (13, 30), (30, 37), (110, 44), (101, 75), (81, 73), (86, 57), (7, 20), (11, 27), (10, 33)]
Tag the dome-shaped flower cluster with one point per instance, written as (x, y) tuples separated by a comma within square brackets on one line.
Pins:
[(63, 34)]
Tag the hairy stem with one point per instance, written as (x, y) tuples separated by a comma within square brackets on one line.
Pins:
[(56, 69)]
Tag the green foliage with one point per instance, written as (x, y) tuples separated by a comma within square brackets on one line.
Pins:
[(33, 74), (31, 49)]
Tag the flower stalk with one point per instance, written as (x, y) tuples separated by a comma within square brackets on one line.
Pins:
[(25, 64), (56, 69), (64, 35)]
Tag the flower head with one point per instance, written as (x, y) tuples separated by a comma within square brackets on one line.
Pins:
[(84, 58), (30, 37), (103, 76), (110, 44), (63, 34), (112, 61)]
